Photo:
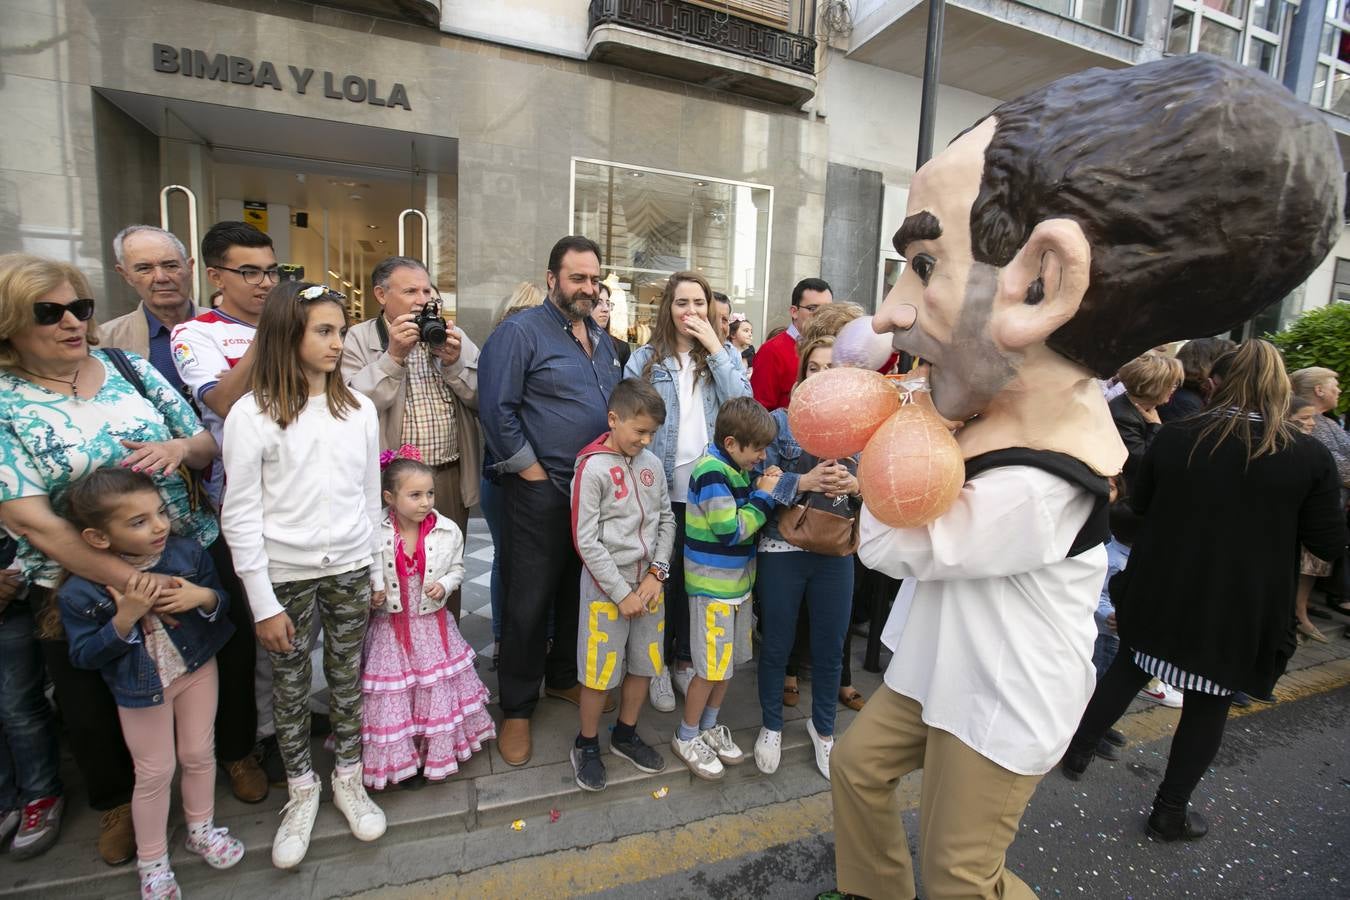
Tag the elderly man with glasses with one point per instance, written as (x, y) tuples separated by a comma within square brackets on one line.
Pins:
[(156, 266)]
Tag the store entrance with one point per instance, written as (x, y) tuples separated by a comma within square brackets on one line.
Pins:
[(335, 198)]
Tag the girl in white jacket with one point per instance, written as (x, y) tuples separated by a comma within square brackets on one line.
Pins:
[(425, 709)]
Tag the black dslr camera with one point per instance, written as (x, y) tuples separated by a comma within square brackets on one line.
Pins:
[(430, 326)]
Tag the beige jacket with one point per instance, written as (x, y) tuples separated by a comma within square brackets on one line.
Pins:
[(368, 368), (131, 332)]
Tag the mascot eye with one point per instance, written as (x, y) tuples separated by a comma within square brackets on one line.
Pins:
[(922, 264)]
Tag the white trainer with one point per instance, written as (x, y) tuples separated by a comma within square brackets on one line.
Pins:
[(768, 750), (681, 679), (661, 693), (365, 819), (719, 739), (297, 822), (822, 747), (699, 757)]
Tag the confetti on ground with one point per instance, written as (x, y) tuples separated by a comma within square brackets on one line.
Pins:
[(518, 825), (659, 794), (554, 815)]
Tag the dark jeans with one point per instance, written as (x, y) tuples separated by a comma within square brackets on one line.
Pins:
[(677, 601), (236, 709), (540, 571), (1194, 745), (490, 501), (784, 580), (28, 752)]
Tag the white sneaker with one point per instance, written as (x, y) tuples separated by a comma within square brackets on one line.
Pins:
[(719, 739), (681, 679), (297, 821), (768, 750), (363, 816), (660, 692), (1161, 692), (822, 747), (699, 757)]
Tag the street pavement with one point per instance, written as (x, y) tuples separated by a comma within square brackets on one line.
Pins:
[(1277, 801)]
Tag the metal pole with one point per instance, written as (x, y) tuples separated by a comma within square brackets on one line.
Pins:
[(931, 58)]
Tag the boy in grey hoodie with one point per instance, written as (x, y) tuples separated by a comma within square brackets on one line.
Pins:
[(624, 532)]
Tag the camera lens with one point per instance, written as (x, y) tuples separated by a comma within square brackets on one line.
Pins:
[(432, 332)]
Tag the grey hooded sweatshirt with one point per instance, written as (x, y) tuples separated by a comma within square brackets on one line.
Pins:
[(621, 516)]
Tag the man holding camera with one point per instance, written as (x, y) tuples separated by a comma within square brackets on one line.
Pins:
[(422, 374)]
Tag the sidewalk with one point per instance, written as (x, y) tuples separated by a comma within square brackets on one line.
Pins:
[(463, 824)]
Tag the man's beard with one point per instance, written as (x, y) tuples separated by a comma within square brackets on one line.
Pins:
[(576, 307)]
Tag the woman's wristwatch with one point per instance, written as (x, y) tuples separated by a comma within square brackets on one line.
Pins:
[(660, 570)]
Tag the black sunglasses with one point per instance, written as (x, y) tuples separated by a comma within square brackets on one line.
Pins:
[(47, 312)]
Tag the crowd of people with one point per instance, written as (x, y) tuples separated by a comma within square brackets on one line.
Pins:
[(194, 499)]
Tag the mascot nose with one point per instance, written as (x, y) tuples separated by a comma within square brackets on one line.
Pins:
[(901, 317)]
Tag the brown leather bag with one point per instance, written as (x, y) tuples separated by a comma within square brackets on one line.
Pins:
[(817, 529)]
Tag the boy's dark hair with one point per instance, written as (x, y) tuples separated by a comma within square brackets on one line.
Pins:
[(808, 284), (221, 236), (744, 419), (721, 298), (573, 243), (90, 499), (398, 469), (635, 396)]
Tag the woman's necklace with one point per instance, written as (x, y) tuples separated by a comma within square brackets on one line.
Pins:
[(71, 383)]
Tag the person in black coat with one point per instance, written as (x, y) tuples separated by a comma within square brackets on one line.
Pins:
[(1197, 359), (1149, 382), (1207, 601)]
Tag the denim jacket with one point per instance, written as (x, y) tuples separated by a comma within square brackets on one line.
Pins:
[(788, 455), (87, 610), (728, 382)]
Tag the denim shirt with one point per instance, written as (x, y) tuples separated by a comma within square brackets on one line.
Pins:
[(87, 612), (541, 398), (787, 454), (728, 382)]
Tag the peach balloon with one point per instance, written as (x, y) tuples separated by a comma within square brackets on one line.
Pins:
[(911, 469), (833, 413)]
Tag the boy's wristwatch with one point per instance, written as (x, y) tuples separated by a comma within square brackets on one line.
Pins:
[(660, 570)]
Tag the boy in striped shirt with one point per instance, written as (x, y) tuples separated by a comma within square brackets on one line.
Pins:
[(722, 516)]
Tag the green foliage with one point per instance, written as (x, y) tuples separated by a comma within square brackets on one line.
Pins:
[(1319, 337)]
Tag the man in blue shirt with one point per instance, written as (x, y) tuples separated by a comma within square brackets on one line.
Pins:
[(156, 266), (544, 380)]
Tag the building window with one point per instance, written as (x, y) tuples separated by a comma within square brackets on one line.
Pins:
[(1113, 15), (1246, 31), (1340, 288), (1333, 61), (651, 223)]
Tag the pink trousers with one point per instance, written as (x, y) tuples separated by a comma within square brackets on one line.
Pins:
[(189, 710)]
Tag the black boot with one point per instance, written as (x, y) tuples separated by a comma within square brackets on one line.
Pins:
[(1107, 750), (1174, 822), (1075, 762), (1115, 737)]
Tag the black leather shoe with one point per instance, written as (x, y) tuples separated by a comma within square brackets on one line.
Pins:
[(1115, 737), (1107, 750), (1074, 763), (1170, 822)]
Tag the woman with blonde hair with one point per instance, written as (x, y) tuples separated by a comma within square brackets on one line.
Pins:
[(1149, 382), (1319, 388), (1207, 602), (694, 374)]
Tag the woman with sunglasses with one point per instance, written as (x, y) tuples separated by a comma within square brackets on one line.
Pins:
[(66, 410)]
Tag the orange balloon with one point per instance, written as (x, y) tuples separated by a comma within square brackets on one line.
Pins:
[(911, 469), (833, 413)]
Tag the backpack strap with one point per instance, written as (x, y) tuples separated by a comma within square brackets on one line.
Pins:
[(1097, 529), (122, 363)]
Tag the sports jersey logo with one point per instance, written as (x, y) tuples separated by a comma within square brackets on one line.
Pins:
[(648, 477), (182, 354)]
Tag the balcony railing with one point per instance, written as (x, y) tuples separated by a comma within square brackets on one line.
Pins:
[(713, 28)]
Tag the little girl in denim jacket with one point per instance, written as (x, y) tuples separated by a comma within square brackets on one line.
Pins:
[(154, 641)]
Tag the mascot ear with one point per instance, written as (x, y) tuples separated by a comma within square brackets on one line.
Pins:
[(1043, 286)]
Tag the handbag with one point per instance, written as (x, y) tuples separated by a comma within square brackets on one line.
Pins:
[(820, 524)]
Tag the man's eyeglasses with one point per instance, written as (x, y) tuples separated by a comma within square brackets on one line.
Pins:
[(253, 275), (811, 307), (47, 312), (169, 268)]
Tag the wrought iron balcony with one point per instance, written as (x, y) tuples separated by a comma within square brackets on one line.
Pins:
[(715, 28)]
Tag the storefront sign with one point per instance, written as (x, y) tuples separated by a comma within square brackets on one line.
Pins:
[(241, 70), (255, 214)]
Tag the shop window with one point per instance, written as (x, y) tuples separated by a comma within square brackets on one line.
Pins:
[(1340, 289), (651, 223)]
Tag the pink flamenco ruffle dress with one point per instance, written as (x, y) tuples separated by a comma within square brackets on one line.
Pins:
[(425, 707)]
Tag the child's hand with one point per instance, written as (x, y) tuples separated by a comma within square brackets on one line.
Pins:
[(377, 599), (772, 470), (276, 634), (435, 591), (133, 602), (184, 596), (649, 592), (766, 483), (633, 606)]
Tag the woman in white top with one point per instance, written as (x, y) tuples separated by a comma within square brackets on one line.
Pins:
[(301, 516), (692, 371)]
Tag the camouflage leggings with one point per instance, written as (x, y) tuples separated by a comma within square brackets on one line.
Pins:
[(343, 603)]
